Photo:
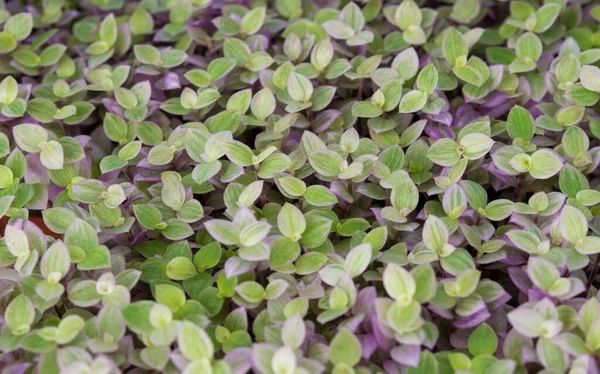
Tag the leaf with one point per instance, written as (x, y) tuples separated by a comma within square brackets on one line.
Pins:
[(19, 315), (29, 137), (589, 77), (251, 291), (317, 231), (413, 101), (19, 26), (435, 233), (345, 349), (358, 259), (299, 87), (55, 262), (365, 109), (253, 21), (542, 273), (338, 29), (454, 46), (223, 231), (327, 162), (469, 75), (406, 63), (483, 341), (194, 343), (95, 258), (319, 196), (283, 252), (408, 14), (476, 145), (520, 124), (529, 47), (399, 283), (545, 164), (573, 224), (444, 152), (427, 79), (291, 222)]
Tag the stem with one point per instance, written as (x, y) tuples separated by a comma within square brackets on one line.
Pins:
[(351, 193), (360, 89), (594, 272)]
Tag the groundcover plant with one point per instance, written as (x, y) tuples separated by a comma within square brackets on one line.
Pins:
[(299, 186)]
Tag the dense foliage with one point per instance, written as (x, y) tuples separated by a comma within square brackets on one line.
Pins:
[(300, 186)]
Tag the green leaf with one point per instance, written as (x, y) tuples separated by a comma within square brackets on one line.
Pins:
[(9, 89), (345, 349), (358, 259), (435, 233), (427, 79), (328, 163), (251, 291), (408, 14), (108, 30), (322, 97), (520, 124), (310, 263), (283, 252), (177, 230), (194, 343), (237, 50), (55, 262), (365, 109), (52, 155), (413, 101), (573, 224), (465, 11), (29, 137), (469, 75), (454, 47), (545, 16), (147, 54), (338, 29), (181, 268), (399, 283), (291, 222), (317, 231), (223, 231), (171, 296), (7, 42), (299, 87), (220, 67), (529, 47), (427, 365), (444, 152), (52, 54), (425, 281), (96, 258), (208, 256), (319, 196), (590, 77), (483, 341), (542, 272), (571, 181), (19, 26), (476, 145), (567, 70), (19, 315), (545, 164), (147, 215), (253, 21), (141, 22)]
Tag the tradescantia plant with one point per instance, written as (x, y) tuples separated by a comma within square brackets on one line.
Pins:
[(292, 187)]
